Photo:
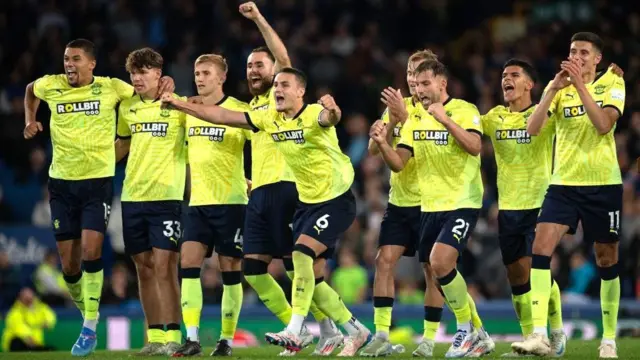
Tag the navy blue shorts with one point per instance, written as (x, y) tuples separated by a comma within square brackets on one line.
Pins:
[(151, 224), (401, 226), (325, 221), (516, 231), (267, 222), (216, 226), (599, 208), (448, 227), (79, 204)]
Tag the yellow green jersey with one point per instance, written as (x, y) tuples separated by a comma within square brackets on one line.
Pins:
[(156, 169), (583, 157), (322, 171), (449, 177), (267, 163), (83, 125), (216, 159), (524, 161), (405, 190)]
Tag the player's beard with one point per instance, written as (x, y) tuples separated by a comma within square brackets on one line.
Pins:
[(263, 88)]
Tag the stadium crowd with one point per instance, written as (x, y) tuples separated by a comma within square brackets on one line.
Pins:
[(352, 49)]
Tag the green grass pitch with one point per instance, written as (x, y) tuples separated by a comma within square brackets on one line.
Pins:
[(578, 350)]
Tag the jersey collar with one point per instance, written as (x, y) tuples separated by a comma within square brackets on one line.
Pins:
[(224, 98), (598, 76), (304, 106), (146, 102), (446, 102), (525, 109)]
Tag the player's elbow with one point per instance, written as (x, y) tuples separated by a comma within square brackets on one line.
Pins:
[(605, 129), (396, 167), (533, 130)]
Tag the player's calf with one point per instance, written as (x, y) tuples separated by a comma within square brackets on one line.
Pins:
[(231, 300)]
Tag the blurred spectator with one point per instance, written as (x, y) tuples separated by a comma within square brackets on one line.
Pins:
[(120, 288), (5, 210), (26, 322), (582, 273), (350, 279), (49, 281), (42, 211), (10, 280)]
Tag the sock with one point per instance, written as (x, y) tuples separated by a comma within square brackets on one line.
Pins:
[(74, 284), (432, 316), (521, 298), (540, 292), (191, 300), (353, 326), (155, 334), (382, 307), (231, 303), (303, 282), (327, 327), (92, 289), (313, 309), (475, 317), (455, 290), (271, 295), (609, 300), (331, 303), (555, 307), (173, 333)]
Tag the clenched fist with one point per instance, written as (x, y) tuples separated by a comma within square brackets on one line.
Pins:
[(250, 10)]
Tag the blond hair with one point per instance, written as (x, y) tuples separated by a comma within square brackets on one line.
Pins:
[(423, 55), (217, 60)]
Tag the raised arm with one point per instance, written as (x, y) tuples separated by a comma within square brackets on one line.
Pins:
[(603, 119), (395, 159), (331, 114), (274, 43), (396, 112), (469, 139), (209, 113), (31, 103), (540, 115)]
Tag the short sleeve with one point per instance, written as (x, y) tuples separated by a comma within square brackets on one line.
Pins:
[(554, 103), (123, 89), (40, 86), (485, 120), (256, 119), (406, 136), (469, 119), (615, 96), (123, 130), (385, 116)]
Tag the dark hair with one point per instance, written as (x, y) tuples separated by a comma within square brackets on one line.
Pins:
[(300, 76), (144, 58), (87, 46), (590, 37), (435, 66), (265, 50), (525, 66)]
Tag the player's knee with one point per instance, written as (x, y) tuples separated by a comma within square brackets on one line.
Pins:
[(91, 252), (145, 270), (163, 270), (190, 260), (518, 271), (228, 263), (440, 266), (385, 262), (71, 266), (606, 254)]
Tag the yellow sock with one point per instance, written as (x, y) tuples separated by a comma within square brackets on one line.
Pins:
[(155, 336), (522, 306), (455, 291), (432, 316), (331, 303), (92, 288), (540, 291), (313, 309), (231, 305), (272, 295), (74, 284), (173, 336), (382, 307), (475, 317), (609, 300), (191, 300), (303, 283), (555, 308)]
